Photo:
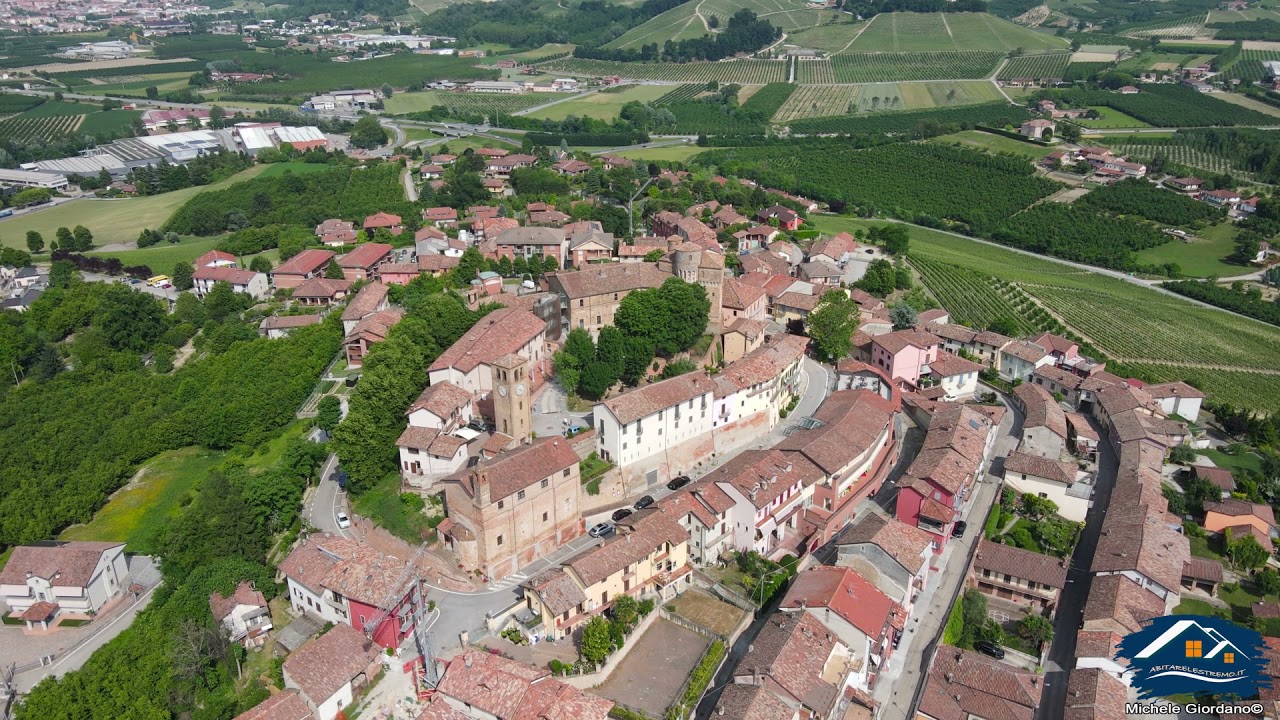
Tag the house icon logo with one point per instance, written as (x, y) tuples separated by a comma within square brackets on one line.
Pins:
[(1195, 655)]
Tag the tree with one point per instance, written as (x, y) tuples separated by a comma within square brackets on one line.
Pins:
[(368, 134), (1245, 552), (62, 273), (153, 92), (1036, 628), (1035, 507), (128, 320), (1267, 581), (973, 610), (597, 378), (903, 316), (832, 325), (894, 238), (626, 611), (260, 263), (637, 355), (328, 413), (221, 302), (469, 265), (66, 241), (35, 241), (578, 345), (83, 238), (386, 90), (182, 276), (672, 316), (596, 640), (567, 369), (333, 271)]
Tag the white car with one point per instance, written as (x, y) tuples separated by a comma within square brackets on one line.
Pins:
[(344, 522), (950, 398)]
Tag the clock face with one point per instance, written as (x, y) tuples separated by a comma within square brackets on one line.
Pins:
[(520, 389), (502, 390)]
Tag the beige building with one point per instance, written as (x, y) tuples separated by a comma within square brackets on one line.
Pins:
[(590, 297), (508, 511), (694, 264), (649, 556)]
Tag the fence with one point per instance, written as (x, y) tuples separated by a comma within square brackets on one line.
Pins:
[(586, 681)]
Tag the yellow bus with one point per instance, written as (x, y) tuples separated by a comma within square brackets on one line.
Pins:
[(158, 280)]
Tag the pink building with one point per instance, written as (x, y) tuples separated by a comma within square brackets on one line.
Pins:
[(740, 300), (904, 354)]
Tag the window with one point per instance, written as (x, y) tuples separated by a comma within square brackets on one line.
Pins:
[(502, 504), (544, 517), (565, 473), (1229, 657), (520, 495), (1195, 649), (499, 539)]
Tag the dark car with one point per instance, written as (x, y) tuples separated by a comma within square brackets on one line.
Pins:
[(620, 514), (987, 647), (643, 502), (679, 482), (958, 529)]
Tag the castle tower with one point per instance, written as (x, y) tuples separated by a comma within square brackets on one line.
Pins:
[(685, 261), (512, 404)]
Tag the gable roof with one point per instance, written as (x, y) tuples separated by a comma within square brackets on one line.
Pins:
[(1025, 350), (305, 262), (1240, 508), (244, 594), (764, 475), (744, 701), (441, 399), (558, 592), (323, 666), (791, 651), (896, 342), (510, 690), (1041, 409), (1119, 599), (1041, 467), (963, 684), (847, 594), (851, 420), (1223, 479), (906, 544), (286, 705), (319, 287), (1016, 562), (224, 273), (608, 278), (531, 236), (350, 568), (652, 531), (1142, 543), (645, 401), (1094, 694), (366, 301), (514, 470), (499, 333), (365, 255), (738, 295), (72, 563)]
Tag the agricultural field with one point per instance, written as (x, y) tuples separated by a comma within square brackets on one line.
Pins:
[(1232, 16), (922, 32), (889, 67), (1180, 153), (1171, 106), (1146, 330), (993, 143), (467, 102), (679, 23), (674, 153), (1185, 27), (1111, 118), (132, 84), (1201, 257), (811, 101), (309, 74), (690, 20), (1249, 68), (1036, 67), (52, 119), (603, 106), (744, 72), (830, 38), (997, 113)]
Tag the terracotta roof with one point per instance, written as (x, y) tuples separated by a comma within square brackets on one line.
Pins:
[(962, 684), (1239, 508), (848, 595), (764, 475), (768, 262), (350, 568), (514, 470), (287, 705), (744, 701), (896, 342), (366, 302), (737, 295), (318, 287), (1100, 380), (437, 709), (1223, 479), (73, 563), (948, 365), (607, 278), (1041, 409), (437, 214), (531, 236), (751, 329), (1025, 350), (648, 400), (702, 499), (761, 365), (436, 443), (441, 399), (907, 545), (492, 227), (429, 232), (851, 420), (232, 275), (1055, 343), (1202, 569), (1147, 545), (653, 531), (953, 332), (323, 666), (1044, 468), (944, 467), (1119, 604), (307, 261), (433, 263), (1097, 644), (494, 335), (375, 327), (1173, 389), (1093, 694), (365, 255), (834, 247), (1239, 531), (799, 301), (286, 322), (792, 650), (510, 690), (557, 591), (1063, 378), (928, 317), (1080, 424), (1025, 564), (214, 256), (244, 594), (39, 611), (994, 339)]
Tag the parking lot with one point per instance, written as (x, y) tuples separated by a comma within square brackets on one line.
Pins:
[(656, 668)]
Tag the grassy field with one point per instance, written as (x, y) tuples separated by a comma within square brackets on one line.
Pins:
[(1201, 258), (890, 67), (381, 503), (111, 221), (164, 82), (408, 102), (994, 143), (139, 511), (919, 32), (164, 256), (1248, 102), (603, 106), (297, 168), (676, 153), (825, 100), (745, 72), (1111, 118), (1162, 337), (690, 20), (831, 38)]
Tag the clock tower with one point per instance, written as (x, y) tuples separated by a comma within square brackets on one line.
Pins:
[(512, 404)]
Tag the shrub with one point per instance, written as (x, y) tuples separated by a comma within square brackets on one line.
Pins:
[(698, 681)]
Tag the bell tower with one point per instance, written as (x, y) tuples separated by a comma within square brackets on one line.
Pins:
[(512, 405)]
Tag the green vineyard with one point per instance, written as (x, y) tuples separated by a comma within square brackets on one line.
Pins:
[(996, 113), (886, 67), (1184, 155), (1036, 67), (978, 300), (744, 72), (39, 129)]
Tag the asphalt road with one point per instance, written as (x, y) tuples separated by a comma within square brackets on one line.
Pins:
[(322, 506)]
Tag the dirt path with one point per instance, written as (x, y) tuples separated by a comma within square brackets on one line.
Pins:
[(856, 35)]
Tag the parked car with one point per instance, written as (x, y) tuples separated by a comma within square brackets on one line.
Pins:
[(643, 502), (987, 647), (679, 482), (601, 530), (620, 514), (957, 530), (950, 398), (344, 522)]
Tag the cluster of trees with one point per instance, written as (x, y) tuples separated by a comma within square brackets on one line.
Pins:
[(296, 199), (1139, 197), (670, 317), (472, 262), (1237, 298), (1161, 105), (601, 636), (368, 133), (394, 373), (720, 114), (1079, 234), (867, 8), (744, 33), (883, 278), (520, 24), (166, 177), (291, 239), (832, 325), (104, 266)]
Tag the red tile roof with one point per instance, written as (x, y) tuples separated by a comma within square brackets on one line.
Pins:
[(1019, 563), (214, 256), (1120, 605), (232, 275), (1240, 508), (764, 475), (761, 365), (442, 399), (287, 705), (222, 606), (365, 256), (305, 262), (434, 442), (514, 470), (1040, 467), (371, 297), (792, 651), (73, 563), (381, 220), (510, 690), (325, 665), (852, 420), (318, 287), (350, 568), (1041, 409), (948, 365), (907, 545), (1093, 694), (494, 335), (896, 342), (848, 595), (744, 701), (285, 322), (963, 684), (1223, 479), (648, 400), (636, 540)]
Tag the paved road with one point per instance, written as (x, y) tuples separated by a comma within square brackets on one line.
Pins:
[(1070, 612), (323, 504), (169, 294)]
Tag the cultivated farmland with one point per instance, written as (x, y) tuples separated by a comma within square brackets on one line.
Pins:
[(996, 113), (912, 32), (824, 100), (692, 19), (888, 67), (744, 72), (472, 103), (25, 128), (1186, 27), (1036, 67)]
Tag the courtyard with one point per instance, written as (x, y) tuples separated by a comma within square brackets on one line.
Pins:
[(655, 670)]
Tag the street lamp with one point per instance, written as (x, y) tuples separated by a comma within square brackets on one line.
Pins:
[(760, 602)]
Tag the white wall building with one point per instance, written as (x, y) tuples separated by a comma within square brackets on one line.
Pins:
[(74, 577), (1054, 480)]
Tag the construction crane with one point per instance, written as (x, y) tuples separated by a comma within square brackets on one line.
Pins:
[(409, 579)]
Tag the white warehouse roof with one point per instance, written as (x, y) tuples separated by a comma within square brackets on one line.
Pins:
[(254, 138), (298, 134)]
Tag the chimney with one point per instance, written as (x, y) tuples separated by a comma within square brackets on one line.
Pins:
[(720, 711), (480, 482), (466, 660), (1034, 681), (951, 677)]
